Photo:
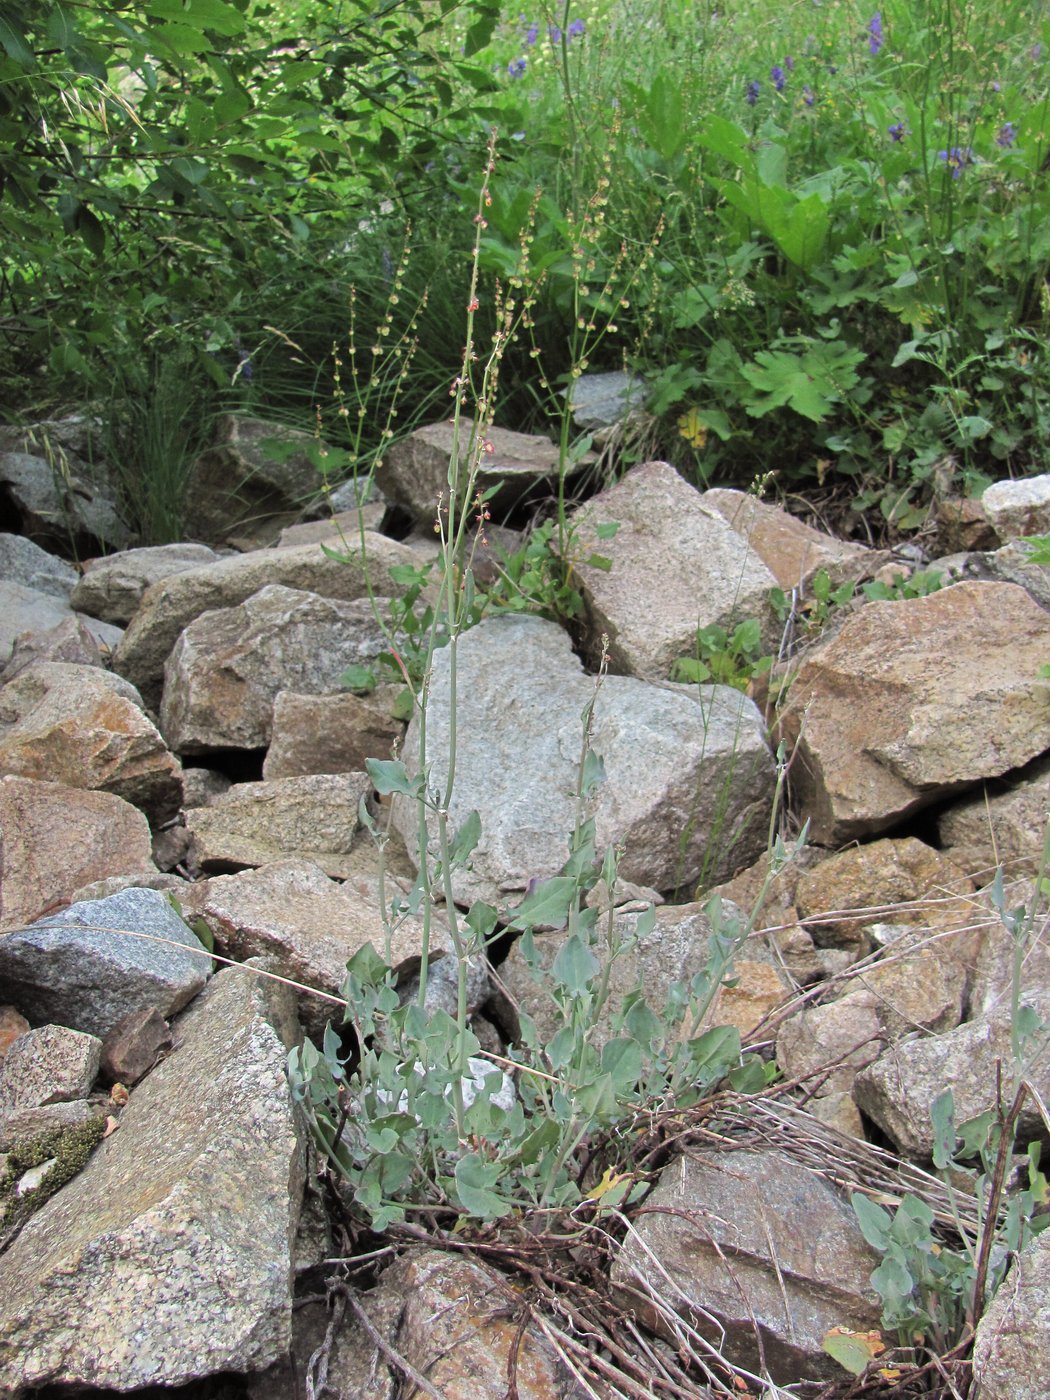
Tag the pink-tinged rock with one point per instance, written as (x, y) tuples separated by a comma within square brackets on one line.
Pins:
[(792, 550), (132, 1047), (1011, 1352), (676, 566), (84, 727), (51, 1064), (1004, 823), (913, 700), (112, 587), (53, 839), (12, 1025), (329, 733)]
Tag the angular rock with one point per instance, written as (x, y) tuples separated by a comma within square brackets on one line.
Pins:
[(1025, 943), (53, 839), (1016, 508), (114, 884), (752, 1239), (25, 610), (313, 817), (962, 525), (92, 964), (112, 587), (12, 1025), (238, 485), (792, 550), (913, 700), (62, 501), (308, 927), (27, 1123), (606, 400), (826, 1046), (1011, 1352), (167, 607), (688, 776), (51, 1064), (414, 471), (897, 1090), (340, 531), (84, 727), (203, 785), (675, 950), (1004, 824), (171, 1249), (22, 561), (329, 733), (221, 679), (671, 547), (133, 1045), (69, 640)]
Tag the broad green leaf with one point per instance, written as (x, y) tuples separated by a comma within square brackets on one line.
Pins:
[(548, 903), (942, 1116), (465, 839), (873, 1220), (390, 775), (715, 1053), (367, 966), (215, 15), (360, 679), (854, 1351), (476, 1185), (481, 919), (575, 966)]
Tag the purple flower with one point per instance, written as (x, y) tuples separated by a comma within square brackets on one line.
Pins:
[(753, 89), (875, 33), (897, 131), (532, 34), (807, 96), (789, 63), (957, 159), (516, 68), (997, 87), (778, 77), (1036, 52), (1007, 135), (554, 34), (576, 28)]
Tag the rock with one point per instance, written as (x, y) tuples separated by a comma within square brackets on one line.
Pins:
[(169, 606), (313, 817), (24, 1124), (1011, 1352), (90, 965), (112, 587), (22, 561), (69, 640), (674, 951), (167, 1257), (49, 1065), (27, 610), (962, 525), (221, 679), (84, 727), (12, 1025), (792, 550), (202, 786), (1016, 508), (826, 1046), (913, 700), (114, 884), (991, 992), (133, 1046), (896, 1091), (414, 471), (689, 779), (670, 546), (330, 733), (61, 500), (606, 400), (1005, 824), (308, 927), (256, 475), (752, 1239), (53, 839), (340, 531)]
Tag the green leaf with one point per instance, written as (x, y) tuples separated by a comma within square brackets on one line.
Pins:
[(548, 903), (593, 772), (465, 839), (390, 775), (575, 966), (873, 1220), (476, 1181), (715, 1053), (942, 1116), (367, 966), (360, 679), (854, 1351), (13, 42), (607, 529)]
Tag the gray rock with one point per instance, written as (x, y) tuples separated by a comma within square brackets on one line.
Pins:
[(53, 839), (22, 561), (69, 640), (826, 1046), (61, 500), (238, 485), (912, 701), (168, 1257), (23, 1124), (752, 1240), (85, 727), (112, 587), (1004, 824), (89, 965), (414, 471), (1017, 508), (605, 400), (227, 667), (338, 531), (24, 609), (307, 927), (170, 605), (51, 1064), (1011, 1353), (672, 548), (314, 817), (689, 777)]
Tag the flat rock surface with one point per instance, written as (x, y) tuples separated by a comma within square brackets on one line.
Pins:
[(1011, 1354), (229, 664), (678, 760), (168, 1257), (913, 700), (54, 839), (676, 566), (88, 966), (112, 587), (22, 561), (330, 733), (51, 1064)]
